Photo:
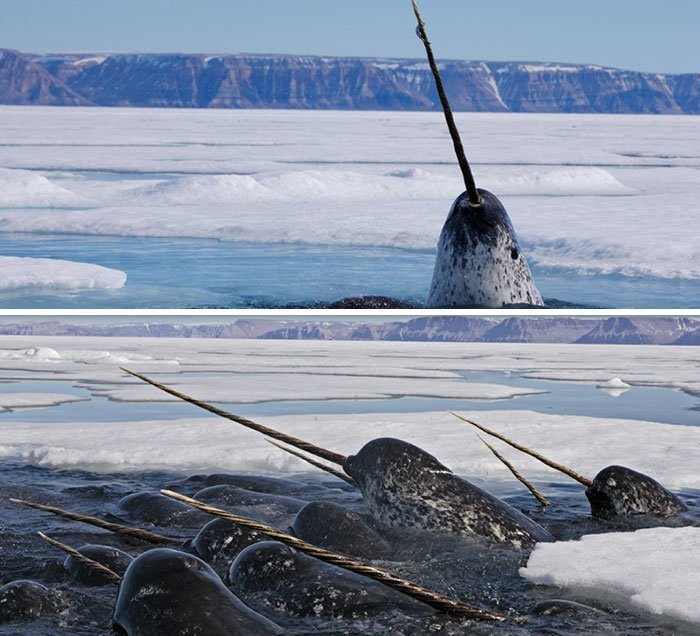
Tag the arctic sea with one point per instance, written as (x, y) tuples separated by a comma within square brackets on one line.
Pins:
[(251, 208)]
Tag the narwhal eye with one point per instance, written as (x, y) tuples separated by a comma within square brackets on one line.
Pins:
[(514, 253)]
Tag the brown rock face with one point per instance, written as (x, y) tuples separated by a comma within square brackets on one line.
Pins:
[(288, 81), (22, 81)]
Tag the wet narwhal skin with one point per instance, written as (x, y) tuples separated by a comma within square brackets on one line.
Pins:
[(339, 529), (220, 541), (405, 487), (166, 592), (113, 558), (233, 496), (618, 491), (159, 510), (24, 600), (293, 583), (479, 262)]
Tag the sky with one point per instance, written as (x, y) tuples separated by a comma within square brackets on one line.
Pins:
[(646, 35)]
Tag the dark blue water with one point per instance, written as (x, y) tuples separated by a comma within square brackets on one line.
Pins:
[(656, 404), (186, 273)]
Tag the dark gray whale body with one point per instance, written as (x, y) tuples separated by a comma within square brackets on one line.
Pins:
[(406, 487), (167, 593), (220, 541), (256, 483), (25, 600), (339, 529), (291, 582), (159, 510), (113, 558), (618, 491), (234, 497)]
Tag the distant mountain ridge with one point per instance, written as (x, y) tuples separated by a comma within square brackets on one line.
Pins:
[(315, 82), (617, 331)]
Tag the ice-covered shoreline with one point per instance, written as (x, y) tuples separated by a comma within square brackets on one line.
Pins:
[(583, 191), (56, 275)]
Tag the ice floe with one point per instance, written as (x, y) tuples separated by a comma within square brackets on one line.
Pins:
[(655, 569)]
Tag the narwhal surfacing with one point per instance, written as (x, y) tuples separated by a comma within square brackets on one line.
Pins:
[(406, 487), (479, 262), (616, 491)]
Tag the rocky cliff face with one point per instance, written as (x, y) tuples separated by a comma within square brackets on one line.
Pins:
[(23, 81), (285, 81)]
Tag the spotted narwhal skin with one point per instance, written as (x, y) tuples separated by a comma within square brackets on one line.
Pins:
[(618, 491), (479, 262), (405, 487)]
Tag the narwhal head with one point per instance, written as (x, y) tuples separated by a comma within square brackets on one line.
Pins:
[(616, 491), (619, 491), (479, 261)]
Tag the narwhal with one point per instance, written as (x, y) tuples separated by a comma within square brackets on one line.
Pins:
[(616, 491), (406, 487), (479, 260)]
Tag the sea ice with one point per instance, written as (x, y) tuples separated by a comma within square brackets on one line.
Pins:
[(584, 191), (655, 569), (9, 401), (56, 275)]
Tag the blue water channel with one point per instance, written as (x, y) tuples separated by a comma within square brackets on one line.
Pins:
[(194, 273), (657, 404)]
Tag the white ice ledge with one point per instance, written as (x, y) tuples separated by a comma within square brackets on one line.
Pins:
[(654, 570), (53, 274)]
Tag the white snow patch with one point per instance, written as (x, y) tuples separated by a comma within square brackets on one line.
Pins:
[(27, 189), (655, 570), (56, 275), (559, 176)]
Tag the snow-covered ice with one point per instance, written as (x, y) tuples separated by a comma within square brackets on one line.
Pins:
[(584, 191), (653, 569), (340, 370), (9, 401), (56, 275)]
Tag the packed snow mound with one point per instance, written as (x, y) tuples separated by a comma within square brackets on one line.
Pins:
[(614, 383), (53, 274), (344, 185), (654, 569), (27, 189), (203, 189), (41, 353)]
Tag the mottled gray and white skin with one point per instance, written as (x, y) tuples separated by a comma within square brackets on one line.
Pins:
[(289, 582), (166, 592), (479, 262), (405, 487), (335, 527), (113, 558), (26, 600), (618, 491), (220, 541)]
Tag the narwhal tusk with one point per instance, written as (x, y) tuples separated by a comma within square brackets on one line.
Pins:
[(136, 533), (438, 601), (548, 462), (323, 453), (474, 197), (91, 563), (329, 469), (516, 474)]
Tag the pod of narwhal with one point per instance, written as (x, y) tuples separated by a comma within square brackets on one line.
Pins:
[(403, 486), (479, 260), (616, 491)]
